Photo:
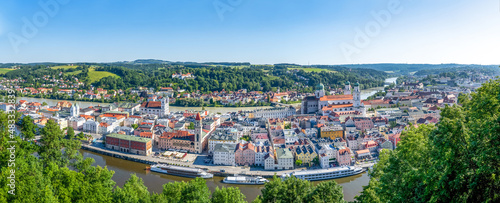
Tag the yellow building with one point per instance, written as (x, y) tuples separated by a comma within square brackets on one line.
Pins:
[(305, 153), (332, 132)]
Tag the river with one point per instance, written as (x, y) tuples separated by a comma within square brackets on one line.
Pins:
[(52, 102), (154, 181)]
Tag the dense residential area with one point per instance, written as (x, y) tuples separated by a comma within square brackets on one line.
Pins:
[(329, 128)]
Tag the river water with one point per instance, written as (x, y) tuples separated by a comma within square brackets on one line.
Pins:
[(52, 102), (154, 181)]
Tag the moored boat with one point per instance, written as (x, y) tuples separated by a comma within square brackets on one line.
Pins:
[(325, 174), (181, 171), (245, 180)]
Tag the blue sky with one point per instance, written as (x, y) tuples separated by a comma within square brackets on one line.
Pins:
[(256, 31)]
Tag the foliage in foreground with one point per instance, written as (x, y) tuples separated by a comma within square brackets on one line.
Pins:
[(456, 161)]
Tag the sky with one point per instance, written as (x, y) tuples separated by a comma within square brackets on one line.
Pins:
[(255, 31)]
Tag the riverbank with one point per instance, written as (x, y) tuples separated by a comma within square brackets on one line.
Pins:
[(217, 170), (352, 185)]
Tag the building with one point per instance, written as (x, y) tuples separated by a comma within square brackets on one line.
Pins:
[(221, 138), (269, 162), (129, 144), (305, 153), (159, 108), (74, 110), (332, 132), (181, 140), (344, 156), (245, 154), (285, 159), (76, 122), (260, 154), (224, 154), (339, 104), (90, 126), (278, 112)]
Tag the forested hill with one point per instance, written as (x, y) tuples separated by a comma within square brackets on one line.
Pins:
[(207, 77), (404, 69)]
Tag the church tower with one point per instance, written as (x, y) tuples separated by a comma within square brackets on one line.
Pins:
[(320, 91), (347, 89), (164, 107), (74, 111), (357, 95), (198, 136)]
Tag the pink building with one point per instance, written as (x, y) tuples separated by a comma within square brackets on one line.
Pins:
[(363, 123), (395, 139), (245, 154), (344, 156)]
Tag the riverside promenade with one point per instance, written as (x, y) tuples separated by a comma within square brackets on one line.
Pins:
[(217, 170)]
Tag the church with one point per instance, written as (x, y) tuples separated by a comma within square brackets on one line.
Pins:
[(347, 104)]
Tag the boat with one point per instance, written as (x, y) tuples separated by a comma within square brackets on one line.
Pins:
[(181, 171), (325, 174), (245, 180)]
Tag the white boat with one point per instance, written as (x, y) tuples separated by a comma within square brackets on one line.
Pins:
[(324, 174), (181, 171), (245, 180)]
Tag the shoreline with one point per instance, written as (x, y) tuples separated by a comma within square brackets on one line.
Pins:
[(240, 170)]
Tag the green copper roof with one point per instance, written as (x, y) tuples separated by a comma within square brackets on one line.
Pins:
[(347, 83), (129, 137)]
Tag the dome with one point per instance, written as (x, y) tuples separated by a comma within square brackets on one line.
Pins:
[(357, 84), (320, 86), (347, 83)]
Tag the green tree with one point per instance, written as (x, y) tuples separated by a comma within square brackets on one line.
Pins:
[(28, 128), (228, 195), (193, 191), (133, 191), (298, 162), (135, 126), (325, 192), (70, 132), (289, 190)]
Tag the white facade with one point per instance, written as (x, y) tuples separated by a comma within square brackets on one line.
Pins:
[(269, 162), (90, 126), (224, 154), (76, 123)]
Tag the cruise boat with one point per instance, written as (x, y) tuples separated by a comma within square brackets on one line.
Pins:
[(245, 180), (324, 174), (181, 171)]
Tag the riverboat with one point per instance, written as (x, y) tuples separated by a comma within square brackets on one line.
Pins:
[(325, 174), (181, 171), (245, 180)]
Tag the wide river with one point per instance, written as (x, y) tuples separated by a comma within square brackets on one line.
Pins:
[(154, 181)]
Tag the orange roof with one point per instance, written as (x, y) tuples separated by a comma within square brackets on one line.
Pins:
[(198, 118), (146, 134), (104, 125), (330, 107), (336, 97)]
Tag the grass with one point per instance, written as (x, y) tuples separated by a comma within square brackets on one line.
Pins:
[(313, 69), (5, 70), (97, 75), (63, 67), (93, 74)]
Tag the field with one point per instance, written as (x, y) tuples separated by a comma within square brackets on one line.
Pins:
[(93, 74), (63, 67), (5, 70), (313, 69)]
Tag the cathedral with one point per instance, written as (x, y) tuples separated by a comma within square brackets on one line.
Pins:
[(347, 104)]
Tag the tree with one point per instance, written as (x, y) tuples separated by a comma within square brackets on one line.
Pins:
[(456, 161), (328, 191), (195, 190), (298, 162), (44, 104), (228, 195), (135, 126), (133, 191), (28, 128), (51, 143), (191, 126), (289, 190), (70, 132)]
